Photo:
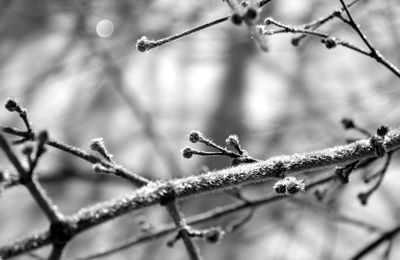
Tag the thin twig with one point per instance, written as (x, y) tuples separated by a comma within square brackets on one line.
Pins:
[(386, 255), (371, 246), (80, 153), (374, 53), (144, 44), (238, 224), (364, 196), (315, 24), (319, 22), (357, 27), (180, 223), (334, 41), (33, 186)]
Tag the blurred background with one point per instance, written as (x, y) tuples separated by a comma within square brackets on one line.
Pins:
[(74, 66)]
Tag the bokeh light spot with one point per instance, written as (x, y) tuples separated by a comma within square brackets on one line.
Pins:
[(104, 28)]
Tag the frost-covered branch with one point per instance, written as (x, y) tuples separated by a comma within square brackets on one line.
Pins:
[(161, 191)]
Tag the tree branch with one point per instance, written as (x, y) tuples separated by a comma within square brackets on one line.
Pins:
[(155, 192)]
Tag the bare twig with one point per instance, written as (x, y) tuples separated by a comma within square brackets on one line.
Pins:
[(357, 28), (241, 222), (80, 153), (349, 123), (331, 42), (33, 186), (364, 196), (321, 21), (144, 44), (386, 255), (180, 223), (374, 53), (371, 246)]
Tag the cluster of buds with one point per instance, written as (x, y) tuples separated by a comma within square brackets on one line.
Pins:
[(238, 155), (250, 14), (289, 186)]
